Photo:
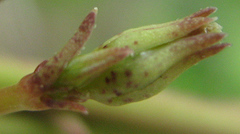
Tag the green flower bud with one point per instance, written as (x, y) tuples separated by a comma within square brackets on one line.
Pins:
[(131, 66), (158, 50)]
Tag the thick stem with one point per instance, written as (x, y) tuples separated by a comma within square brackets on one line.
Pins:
[(10, 100)]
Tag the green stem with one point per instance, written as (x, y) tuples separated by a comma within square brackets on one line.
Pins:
[(10, 100)]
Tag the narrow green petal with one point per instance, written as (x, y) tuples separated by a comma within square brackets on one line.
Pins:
[(83, 68), (144, 38)]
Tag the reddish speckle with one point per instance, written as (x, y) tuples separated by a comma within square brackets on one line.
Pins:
[(128, 100), (105, 46), (135, 86), (163, 77), (107, 80), (63, 104), (76, 107), (114, 76), (197, 31), (36, 80), (83, 28), (55, 59), (46, 76), (174, 34), (60, 70), (129, 84), (103, 91), (52, 72), (73, 95), (110, 100), (89, 21), (117, 92), (48, 101), (135, 42), (146, 74), (151, 28), (128, 73)]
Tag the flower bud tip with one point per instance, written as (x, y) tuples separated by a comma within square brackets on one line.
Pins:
[(215, 18), (204, 12), (95, 10)]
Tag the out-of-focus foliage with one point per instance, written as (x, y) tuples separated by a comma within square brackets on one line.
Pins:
[(32, 31)]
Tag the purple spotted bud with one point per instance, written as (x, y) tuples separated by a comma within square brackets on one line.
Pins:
[(131, 66), (161, 53)]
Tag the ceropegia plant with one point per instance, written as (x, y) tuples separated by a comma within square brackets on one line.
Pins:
[(129, 67)]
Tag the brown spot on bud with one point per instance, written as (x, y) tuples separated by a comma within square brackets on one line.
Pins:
[(110, 100), (174, 34), (136, 85), (135, 42), (46, 76), (103, 91), (36, 80), (115, 91), (114, 76), (105, 46), (128, 73), (129, 84), (48, 101), (163, 77), (107, 80), (55, 59), (52, 72), (146, 74)]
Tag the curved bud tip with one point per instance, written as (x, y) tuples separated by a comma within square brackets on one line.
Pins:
[(204, 12), (95, 10)]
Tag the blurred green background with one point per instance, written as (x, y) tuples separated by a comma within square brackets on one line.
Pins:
[(32, 30)]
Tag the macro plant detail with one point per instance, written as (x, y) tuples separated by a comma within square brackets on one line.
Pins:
[(131, 66)]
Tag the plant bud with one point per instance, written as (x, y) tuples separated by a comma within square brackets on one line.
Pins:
[(161, 53)]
